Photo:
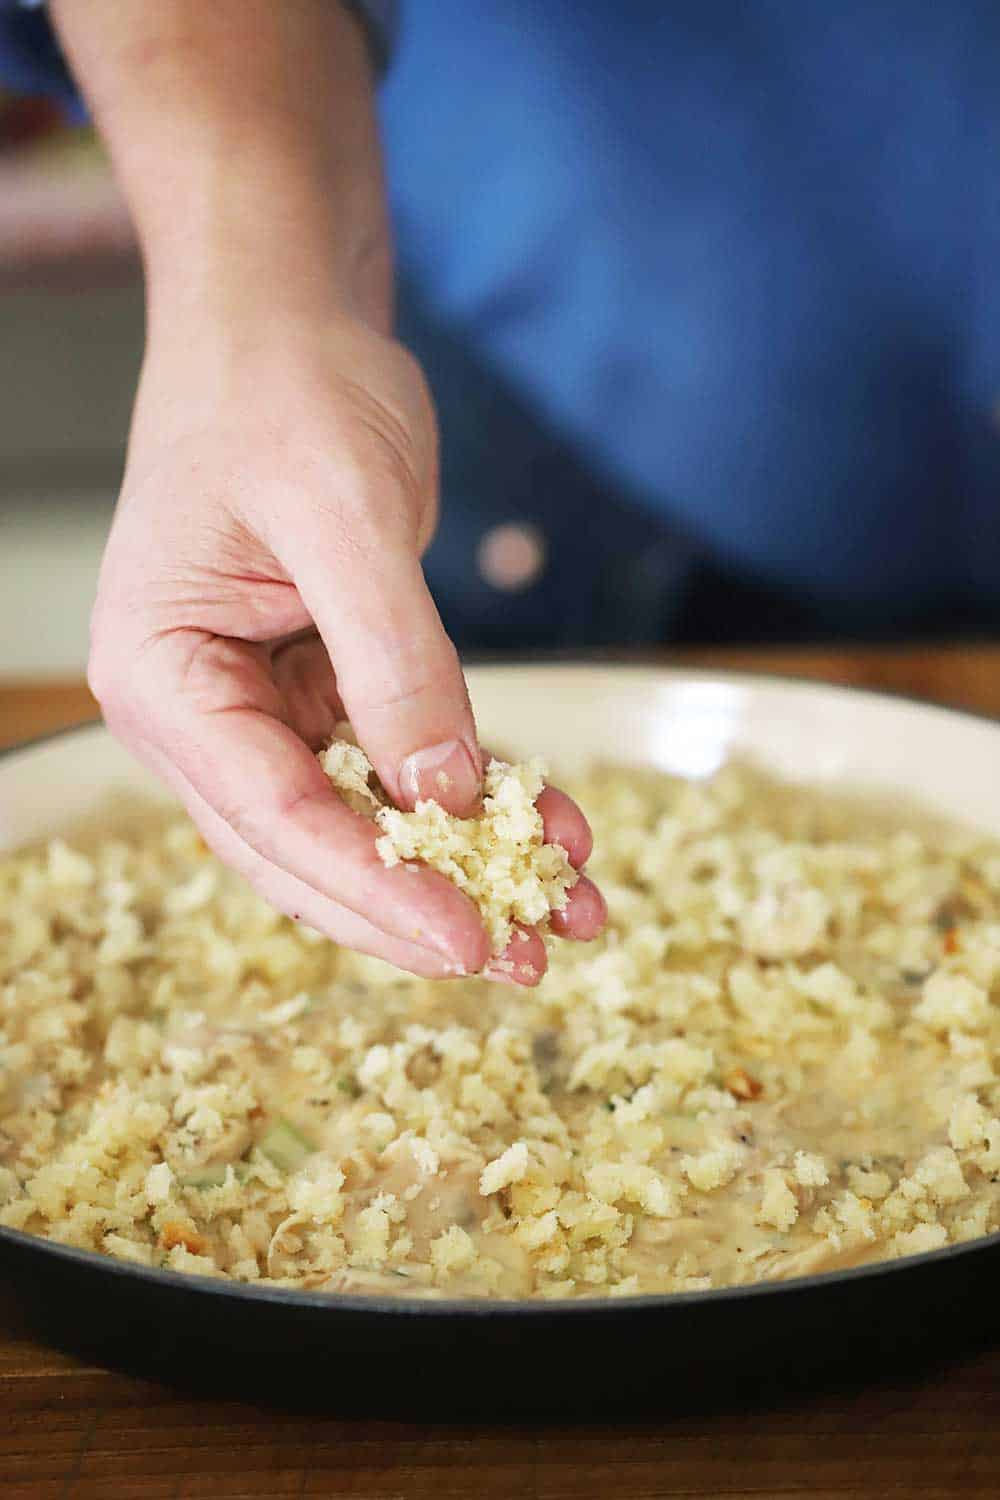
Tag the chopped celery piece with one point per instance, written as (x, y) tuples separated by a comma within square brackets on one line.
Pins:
[(286, 1146)]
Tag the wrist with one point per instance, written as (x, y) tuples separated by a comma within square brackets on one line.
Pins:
[(245, 140), (251, 261)]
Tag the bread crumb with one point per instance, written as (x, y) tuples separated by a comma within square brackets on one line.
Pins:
[(159, 1180), (712, 1168), (371, 1235), (778, 1204), (499, 858), (505, 1169), (919, 1240), (940, 1173), (68, 867), (351, 772), (425, 1156), (968, 1124), (952, 1000), (452, 1251), (810, 1170), (316, 1192)]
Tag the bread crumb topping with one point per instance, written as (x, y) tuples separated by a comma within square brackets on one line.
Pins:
[(736, 1082), (499, 858)]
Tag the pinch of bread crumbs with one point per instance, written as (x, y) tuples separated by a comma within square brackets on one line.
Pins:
[(499, 859)]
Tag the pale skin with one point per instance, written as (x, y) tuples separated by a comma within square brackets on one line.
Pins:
[(262, 580)]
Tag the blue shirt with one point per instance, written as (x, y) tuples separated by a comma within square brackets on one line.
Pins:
[(706, 280)]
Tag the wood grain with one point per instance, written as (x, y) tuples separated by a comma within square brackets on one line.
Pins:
[(29, 709), (71, 1431)]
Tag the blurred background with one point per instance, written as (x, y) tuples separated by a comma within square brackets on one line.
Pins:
[(72, 326), (736, 379)]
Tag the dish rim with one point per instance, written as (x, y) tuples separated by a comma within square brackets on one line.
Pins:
[(359, 1303), (679, 670)]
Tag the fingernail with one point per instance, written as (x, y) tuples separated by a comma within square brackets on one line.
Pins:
[(445, 774)]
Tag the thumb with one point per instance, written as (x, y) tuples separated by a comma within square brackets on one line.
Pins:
[(398, 674)]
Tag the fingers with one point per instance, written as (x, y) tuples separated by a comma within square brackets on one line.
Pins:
[(585, 914), (296, 899), (263, 803), (398, 674), (211, 708), (304, 678), (523, 961), (564, 824)]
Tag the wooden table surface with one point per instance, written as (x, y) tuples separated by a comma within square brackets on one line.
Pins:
[(74, 1431)]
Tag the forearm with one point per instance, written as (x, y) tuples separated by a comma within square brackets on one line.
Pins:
[(243, 133)]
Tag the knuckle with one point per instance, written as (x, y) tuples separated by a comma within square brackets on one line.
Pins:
[(381, 493), (213, 678), (361, 518), (115, 672), (413, 683), (105, 671), (388, 455)]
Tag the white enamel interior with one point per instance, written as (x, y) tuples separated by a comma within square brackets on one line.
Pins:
[(686, 722)]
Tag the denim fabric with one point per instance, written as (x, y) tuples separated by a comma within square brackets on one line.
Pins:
[(614, 571), (741, 259)]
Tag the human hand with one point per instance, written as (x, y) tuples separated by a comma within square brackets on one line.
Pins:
[(262, 583), (262, 580)]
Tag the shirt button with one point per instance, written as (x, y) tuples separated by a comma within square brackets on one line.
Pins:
[(512, 557)]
